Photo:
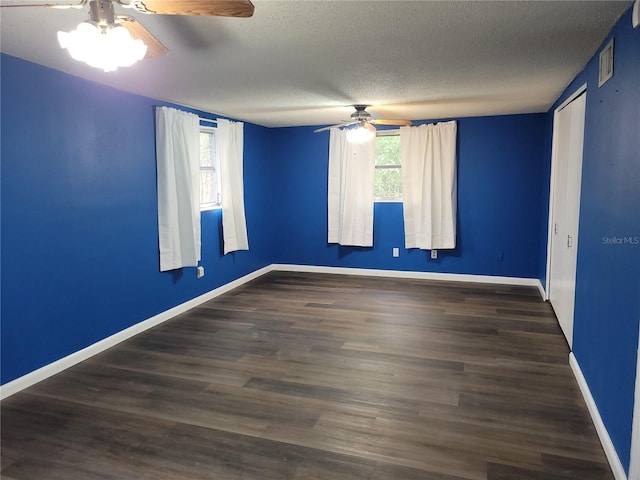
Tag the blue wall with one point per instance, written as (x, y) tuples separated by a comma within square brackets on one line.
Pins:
[(500, 188), (79, 219), (607, 311)]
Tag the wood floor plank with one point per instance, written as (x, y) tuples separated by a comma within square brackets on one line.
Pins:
[(315, 376)]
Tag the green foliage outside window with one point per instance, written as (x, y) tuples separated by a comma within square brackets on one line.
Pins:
[(388, 177)]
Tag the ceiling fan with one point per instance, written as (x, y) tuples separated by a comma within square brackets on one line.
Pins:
[(361, 119), (100, 35)]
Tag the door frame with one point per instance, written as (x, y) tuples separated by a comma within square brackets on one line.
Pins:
[(634, 466), (552, 181)]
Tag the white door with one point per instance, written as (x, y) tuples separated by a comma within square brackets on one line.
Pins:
[(565, 210)]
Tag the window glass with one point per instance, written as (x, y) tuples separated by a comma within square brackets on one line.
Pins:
[(209, 170), (388, 175)]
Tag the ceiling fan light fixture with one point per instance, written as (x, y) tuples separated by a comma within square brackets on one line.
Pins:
[(105, 47), (361, 133)]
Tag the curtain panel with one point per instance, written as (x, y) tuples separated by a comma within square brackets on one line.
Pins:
[(230, 138), (429, 188), (350, 190), (178, 179)]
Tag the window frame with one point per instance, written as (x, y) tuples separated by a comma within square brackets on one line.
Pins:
[(205, 207), (395, 132)]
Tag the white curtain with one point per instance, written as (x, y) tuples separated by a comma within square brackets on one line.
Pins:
[(350, 189), (428, 156), (178, 176), (230, 138)]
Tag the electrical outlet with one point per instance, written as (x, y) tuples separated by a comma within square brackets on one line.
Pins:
[(396, 252), (434, 254), (200, 272)]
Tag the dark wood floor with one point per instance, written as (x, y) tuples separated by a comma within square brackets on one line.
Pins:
[(310, 376)]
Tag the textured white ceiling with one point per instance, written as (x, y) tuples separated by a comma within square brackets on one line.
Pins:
[(304, 62)]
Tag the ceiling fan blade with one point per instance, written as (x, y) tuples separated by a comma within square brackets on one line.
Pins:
[(339, 125), (217, 8), (391, 122), (138, 31)]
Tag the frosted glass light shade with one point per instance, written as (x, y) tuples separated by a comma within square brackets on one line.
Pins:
[(106, 49), (361, 134)]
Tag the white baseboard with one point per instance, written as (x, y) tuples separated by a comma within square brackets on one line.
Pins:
[(47, 371), (605, 439), (449, 277)]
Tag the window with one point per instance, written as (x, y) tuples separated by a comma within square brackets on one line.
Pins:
[(210, 197), (388, 176)]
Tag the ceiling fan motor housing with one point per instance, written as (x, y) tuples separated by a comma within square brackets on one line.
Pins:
[(101, 12), (360, 113)]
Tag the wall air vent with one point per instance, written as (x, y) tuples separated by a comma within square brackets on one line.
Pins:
[(606, 64)]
